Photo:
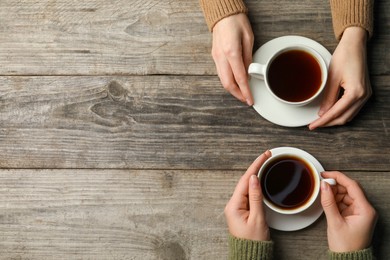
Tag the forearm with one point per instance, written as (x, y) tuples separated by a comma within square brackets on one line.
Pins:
[(216, 10)]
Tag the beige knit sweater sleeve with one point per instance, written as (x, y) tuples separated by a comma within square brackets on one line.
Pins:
[(215, 10), (345, 13)]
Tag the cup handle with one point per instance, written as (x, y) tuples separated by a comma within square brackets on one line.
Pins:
[(330, 181), (257, 70)]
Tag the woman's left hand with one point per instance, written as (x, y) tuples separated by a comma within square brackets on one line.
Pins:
[(348, 70)]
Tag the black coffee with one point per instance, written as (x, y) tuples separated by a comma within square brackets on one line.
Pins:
[(287, 182), (294, 76)]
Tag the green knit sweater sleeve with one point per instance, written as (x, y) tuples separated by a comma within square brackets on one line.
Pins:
[(243, 249), (365, 254)]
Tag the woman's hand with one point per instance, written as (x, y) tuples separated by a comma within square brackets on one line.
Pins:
[(351, 219), (348, 70), (232, 53), (244, 212)]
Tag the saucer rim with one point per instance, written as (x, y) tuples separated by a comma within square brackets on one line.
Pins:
[(312, 108)]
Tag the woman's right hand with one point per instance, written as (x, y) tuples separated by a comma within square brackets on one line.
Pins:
[(232, 53), (351, 218)]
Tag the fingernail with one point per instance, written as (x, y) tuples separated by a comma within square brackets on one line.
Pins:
[(249, 102), (254, 181), (322, 111), (324, 186)]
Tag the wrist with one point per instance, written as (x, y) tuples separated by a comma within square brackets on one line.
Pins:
[(214, 11), (354, 35)]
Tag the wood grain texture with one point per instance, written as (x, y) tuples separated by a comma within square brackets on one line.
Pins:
[(150, 37), (312, 19), (99, 37), (162, 214), (117, 140), (166, 122)]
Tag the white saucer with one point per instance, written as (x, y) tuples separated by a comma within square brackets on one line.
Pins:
[(268, 106), (301, 220)]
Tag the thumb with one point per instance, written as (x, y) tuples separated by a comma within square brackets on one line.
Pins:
[(329, 204), (255, 197), (331, 92)]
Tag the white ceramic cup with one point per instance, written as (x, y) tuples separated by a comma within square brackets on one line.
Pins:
[(316, 180), (260, 71)]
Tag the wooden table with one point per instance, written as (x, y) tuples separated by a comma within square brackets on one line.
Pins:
[(117, 140)]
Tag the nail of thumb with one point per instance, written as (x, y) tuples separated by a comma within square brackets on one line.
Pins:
[(329, 203), (254, 182), (255, 197)]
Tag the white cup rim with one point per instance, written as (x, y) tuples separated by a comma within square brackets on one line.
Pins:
[(320, 60), (316, 189)]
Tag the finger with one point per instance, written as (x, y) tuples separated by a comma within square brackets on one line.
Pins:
[(239, 197), (247, 56), (329, 205), (255, 198), (341, 191), (240, 75), (361, 98), (347, 200), (339, 197), (344, 110), (347, 211), (242, 186), (347, 116), (338, 108), (247, 45), (341, 207), (226, 76), (331, 92), (255, 166), (351, 187)]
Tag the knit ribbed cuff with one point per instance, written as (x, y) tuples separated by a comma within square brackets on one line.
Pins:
[(348, 13), (215, 10), (365, 254), (242, 249)]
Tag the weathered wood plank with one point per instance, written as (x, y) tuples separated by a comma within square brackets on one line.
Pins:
[(271, 19), (183, 141), (119, 214), (149, 37), (167, 122), (100, 37)]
